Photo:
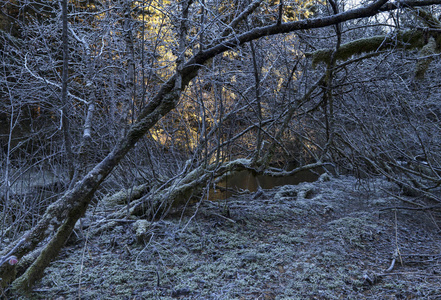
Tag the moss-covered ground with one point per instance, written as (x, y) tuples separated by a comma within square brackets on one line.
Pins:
[(324, 240)]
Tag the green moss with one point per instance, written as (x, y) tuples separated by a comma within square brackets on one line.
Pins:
[(402, 40), (126, 195), (269, 248), (290, 239), (424, 63), (355, 231)]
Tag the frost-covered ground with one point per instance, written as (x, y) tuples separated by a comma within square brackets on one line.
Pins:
[(324, 240)]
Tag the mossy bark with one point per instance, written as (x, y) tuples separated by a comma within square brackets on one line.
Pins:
[(425, 58), (409, 39), (24, 283), (180, 190), (127, 195)]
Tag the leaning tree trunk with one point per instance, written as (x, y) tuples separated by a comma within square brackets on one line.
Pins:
[(63, 214)]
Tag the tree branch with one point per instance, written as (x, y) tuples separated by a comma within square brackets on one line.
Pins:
[(63, 214)]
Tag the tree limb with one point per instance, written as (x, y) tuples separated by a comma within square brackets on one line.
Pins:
[(63, 214)]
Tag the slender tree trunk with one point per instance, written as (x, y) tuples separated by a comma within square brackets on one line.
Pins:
[(64, 97)]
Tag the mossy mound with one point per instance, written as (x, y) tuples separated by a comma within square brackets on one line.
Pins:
[(323, 240)]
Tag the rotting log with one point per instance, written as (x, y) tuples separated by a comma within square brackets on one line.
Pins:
[(182, 188)]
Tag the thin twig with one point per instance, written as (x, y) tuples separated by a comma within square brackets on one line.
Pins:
[(6, 257)]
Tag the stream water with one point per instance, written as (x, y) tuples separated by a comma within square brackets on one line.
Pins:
[(245, 180)]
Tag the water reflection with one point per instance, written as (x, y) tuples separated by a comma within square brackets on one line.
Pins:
[(245, 180)]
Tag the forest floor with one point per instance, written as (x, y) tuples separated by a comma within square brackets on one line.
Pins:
[(323, 240)]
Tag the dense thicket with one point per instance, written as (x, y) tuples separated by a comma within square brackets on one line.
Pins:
[(164, 99)]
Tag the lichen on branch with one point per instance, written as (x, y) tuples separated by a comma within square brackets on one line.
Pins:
[(409, 39)]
